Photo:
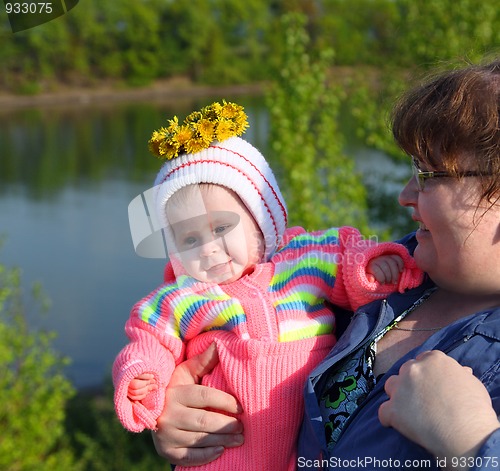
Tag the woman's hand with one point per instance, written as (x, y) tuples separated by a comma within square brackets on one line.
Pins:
[(188, 434), (439, 404)]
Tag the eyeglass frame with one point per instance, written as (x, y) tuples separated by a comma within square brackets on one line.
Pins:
[(421, 176)]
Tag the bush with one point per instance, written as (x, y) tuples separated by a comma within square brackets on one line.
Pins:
[(320, 183), (101, 443), (33, 389)]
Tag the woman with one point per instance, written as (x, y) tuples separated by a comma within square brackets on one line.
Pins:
[(359, 412)]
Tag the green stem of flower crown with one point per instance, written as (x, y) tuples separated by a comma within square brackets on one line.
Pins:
[(216, 122)]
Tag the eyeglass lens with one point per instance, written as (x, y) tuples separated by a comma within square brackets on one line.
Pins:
[(419, 178)]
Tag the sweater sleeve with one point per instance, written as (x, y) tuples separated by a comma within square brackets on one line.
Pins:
[(352, 287), (149, 351), (488, 457)]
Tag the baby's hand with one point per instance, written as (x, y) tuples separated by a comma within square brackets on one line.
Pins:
[(385, 269), (141, 386)]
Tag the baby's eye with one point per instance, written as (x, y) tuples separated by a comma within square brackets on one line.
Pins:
[(222, 229), (189, 241)]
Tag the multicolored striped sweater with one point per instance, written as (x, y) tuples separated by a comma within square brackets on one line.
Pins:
[(271, 328)]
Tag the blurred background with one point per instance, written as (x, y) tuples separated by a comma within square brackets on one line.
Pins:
[(79, 98)]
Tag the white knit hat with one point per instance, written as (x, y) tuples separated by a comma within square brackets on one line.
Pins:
[(234, 164)]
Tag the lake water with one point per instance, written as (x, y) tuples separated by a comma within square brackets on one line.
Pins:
[(67, 175)]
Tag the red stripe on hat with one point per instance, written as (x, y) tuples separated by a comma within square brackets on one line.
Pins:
[(283, 210)]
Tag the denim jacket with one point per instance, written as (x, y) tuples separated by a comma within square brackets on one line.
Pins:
[(364, 443)]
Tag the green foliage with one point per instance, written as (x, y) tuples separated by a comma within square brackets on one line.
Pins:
[(101, 443), (409, 33), (321, 185), (362, 31), (217, 41), (118, 39), (437, 31), (229, 41), (45, 425), (33, 389), (370, 102)]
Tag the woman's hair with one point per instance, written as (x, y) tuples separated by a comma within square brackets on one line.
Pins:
[(452, 123)]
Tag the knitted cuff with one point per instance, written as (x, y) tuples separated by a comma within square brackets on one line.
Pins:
[(135, 416), (360, 289)]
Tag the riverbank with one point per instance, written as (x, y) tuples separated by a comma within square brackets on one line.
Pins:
[(165, 90), (162, 90)]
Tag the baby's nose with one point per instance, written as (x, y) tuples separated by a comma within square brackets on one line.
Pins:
[(210, 247)]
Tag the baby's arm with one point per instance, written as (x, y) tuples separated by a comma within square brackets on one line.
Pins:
[(141, 386), (363, 264), (385, 269), (148, 353)]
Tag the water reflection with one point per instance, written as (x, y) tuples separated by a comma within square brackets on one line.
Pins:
[(67, 176)]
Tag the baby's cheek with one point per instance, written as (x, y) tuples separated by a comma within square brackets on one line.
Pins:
[(258, 246), (192, 266)]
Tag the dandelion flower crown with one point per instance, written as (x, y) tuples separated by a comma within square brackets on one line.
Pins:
[(216, 122)]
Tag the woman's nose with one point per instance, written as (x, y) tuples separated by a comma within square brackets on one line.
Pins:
[(409, 194)]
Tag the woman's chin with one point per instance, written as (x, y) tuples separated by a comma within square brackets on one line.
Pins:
[(423, 258)]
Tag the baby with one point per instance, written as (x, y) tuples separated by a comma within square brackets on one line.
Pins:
[(238, 277)]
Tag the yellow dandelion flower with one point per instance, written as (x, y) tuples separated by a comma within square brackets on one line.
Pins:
[(183, 135), (195, 145), (230, 110), (240, 124), (224, 130), (212, 111), (205, 130), (158, 135), (173, 125), (169, 149), (156, 139), (193, 117), (200, 128), (154, 147)]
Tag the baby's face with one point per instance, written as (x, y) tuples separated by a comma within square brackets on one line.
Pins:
[(216, 238)]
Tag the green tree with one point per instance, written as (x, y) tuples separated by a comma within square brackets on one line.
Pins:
[(33, 389), (363, 32), (321, 185), (118, 39), (229, 41), (217, 41), (444, 30), (370, 103)]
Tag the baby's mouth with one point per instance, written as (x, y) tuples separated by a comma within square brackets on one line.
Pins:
[(218, 266)]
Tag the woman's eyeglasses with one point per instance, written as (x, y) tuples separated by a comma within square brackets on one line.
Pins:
[(421, 176)]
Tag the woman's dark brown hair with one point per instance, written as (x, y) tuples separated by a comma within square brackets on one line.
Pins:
[(452, 123)]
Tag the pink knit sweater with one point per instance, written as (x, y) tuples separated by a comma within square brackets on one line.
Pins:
[(271, 329)]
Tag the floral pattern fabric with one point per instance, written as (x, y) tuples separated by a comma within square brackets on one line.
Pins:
[(352, 381)]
